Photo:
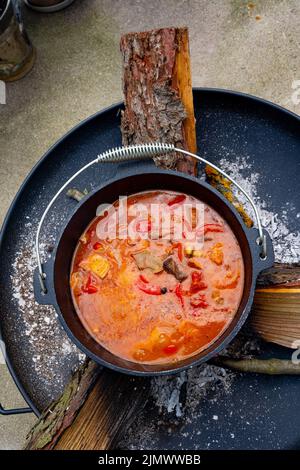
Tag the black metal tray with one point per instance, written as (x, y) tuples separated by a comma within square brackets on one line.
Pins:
[(259, 412)]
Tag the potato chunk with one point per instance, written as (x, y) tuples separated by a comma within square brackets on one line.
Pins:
[(97, 264), (216, 254)]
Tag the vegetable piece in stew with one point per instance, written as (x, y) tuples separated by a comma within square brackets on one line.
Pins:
[(157, 297)]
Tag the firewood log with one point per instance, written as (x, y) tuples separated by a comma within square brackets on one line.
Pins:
[(158, 93)]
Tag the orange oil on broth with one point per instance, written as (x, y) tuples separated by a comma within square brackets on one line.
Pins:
[(148, 316)]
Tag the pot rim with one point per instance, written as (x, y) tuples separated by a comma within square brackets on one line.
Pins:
[(226, 337)]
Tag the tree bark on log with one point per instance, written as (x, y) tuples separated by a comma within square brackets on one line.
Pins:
[(86, 416), (110, 408), (58, 417), (158, 93), (281, 275), (98, 405)]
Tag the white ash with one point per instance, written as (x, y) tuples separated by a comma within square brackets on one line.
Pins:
[(286, 243), (48, 343), (179, 400), (198, 381)]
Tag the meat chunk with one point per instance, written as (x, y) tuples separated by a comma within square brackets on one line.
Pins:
[(172, 267)]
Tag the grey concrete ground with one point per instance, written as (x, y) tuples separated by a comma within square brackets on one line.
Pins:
[(236, 45)]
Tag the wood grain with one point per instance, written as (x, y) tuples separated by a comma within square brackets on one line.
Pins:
[(276, 315), (110, 408)]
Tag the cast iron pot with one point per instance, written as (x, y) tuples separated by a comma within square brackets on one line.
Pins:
[(57, 269)]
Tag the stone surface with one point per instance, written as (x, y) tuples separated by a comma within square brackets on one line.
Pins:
[(77, 72)]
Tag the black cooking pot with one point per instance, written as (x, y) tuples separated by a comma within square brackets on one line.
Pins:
[(57, 269)]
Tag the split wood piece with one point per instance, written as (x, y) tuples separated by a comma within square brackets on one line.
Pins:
[(276, 309), (58, 417), (109, 410), (276, 315), (158, 94), (95, 408)]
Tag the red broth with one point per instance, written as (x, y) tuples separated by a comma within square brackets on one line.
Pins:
[(156, 297)]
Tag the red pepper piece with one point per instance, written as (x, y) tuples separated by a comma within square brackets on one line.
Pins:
[(180, 251), (179, 294), (197, 283), (212, 228), (209, 228), (144, 279), (97, 245), (170, 349), (177, 199), (199, 301), (149, 289), (196, 276), (90, 288)]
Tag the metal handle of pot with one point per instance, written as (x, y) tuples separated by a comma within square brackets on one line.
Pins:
[(141, 152)]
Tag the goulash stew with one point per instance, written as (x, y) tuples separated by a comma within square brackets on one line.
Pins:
[(158, 277)]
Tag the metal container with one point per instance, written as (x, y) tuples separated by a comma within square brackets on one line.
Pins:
[(54, 275), (17, 54)]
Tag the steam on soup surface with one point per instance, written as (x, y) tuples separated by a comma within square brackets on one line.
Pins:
[(152, 296)]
